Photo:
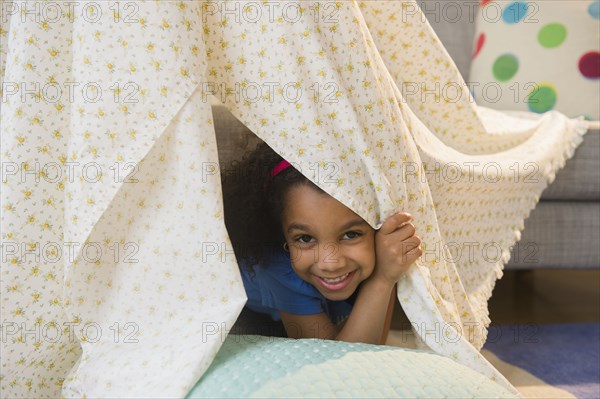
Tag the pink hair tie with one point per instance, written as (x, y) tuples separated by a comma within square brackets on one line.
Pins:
[(280, 167)]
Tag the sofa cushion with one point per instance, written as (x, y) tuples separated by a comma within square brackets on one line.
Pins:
[(559, 234), (537, 56), (580, 178)]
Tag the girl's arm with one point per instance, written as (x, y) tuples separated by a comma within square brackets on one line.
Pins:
[(369, 321), (390, 314)]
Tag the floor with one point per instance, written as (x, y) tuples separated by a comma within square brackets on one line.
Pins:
[(539, 296), (523, 297)]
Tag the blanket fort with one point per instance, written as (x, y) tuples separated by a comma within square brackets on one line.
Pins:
[(110, 217)]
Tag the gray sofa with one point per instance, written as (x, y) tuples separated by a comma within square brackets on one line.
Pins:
[(563, 231)]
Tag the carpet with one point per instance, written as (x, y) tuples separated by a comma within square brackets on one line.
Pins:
[(566, 356)]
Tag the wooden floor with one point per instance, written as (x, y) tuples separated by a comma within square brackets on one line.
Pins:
[(539, 296)]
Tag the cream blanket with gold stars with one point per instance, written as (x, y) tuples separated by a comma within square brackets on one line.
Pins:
[(118, 278)]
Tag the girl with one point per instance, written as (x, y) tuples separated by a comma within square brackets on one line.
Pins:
[(308, 260)]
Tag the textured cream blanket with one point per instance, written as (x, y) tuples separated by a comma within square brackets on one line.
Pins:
[(118, 277)]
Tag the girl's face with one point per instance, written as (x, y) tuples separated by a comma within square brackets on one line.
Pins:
[(331, 247)]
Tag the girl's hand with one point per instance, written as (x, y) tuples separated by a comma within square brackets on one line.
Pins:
[(396, 247)]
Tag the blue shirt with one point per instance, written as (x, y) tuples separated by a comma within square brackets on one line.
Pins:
[(277, 287)]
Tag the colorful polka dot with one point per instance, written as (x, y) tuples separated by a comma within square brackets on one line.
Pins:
[(514, 12), (589, 65), (479, 44), (557, 44), (594, 9), (505, 67), (552, 35), (542, 98)]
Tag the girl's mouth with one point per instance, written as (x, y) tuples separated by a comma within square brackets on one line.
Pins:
[(337, 283)]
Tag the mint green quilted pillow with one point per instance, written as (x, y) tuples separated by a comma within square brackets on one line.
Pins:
[(269, 367)]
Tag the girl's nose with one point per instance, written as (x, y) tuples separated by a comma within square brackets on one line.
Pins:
[(331, 259)]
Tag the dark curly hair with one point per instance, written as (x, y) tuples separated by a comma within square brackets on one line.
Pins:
[(253, 213)]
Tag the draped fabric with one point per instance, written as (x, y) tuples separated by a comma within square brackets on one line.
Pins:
[(118, 276)]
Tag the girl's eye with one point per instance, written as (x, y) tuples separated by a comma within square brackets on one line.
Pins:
[(352, 234), (304, 238)]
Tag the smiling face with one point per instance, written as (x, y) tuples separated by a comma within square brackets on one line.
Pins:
[(331, 247)]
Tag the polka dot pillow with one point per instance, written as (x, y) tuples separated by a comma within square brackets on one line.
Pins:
[(538, 56)]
